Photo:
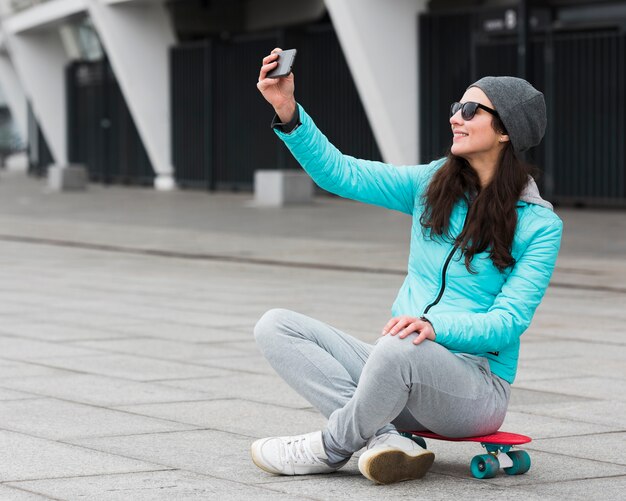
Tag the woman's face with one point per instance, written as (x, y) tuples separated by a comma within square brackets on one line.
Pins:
[(481, 141)]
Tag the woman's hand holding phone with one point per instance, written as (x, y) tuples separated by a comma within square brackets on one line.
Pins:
[(279, 92)]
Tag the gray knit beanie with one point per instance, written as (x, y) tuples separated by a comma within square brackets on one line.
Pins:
[(521, 107)]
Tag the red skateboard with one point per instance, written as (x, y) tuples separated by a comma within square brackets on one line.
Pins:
[(499, 454)]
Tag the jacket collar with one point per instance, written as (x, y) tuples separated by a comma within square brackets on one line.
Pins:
[(530, 194)]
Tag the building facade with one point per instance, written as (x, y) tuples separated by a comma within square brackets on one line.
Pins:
[(162, 93)]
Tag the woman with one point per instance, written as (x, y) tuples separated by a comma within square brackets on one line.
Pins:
[(483, 248)]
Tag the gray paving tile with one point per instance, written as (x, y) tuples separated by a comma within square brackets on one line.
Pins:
[(236, 416), (92, 319), (57, 419), (171, 350), (149, 486), (130, 367), (197, 319), (606, 447), (8, 493), (15, 395), (528, 373), (31, 350), (58, 333), (253, 364), (598, 412), (541, 426), (559, 349), (269, 389), (593, 387), (522, 397), (612, 330), (14, 369), (575, 490), (582, 366), (102, 390), (29, 458), (219, 454), (183, 332)]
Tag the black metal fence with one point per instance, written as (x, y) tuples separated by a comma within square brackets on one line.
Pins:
[(39, 155), (101, 132), (580, 71), (220, 122)]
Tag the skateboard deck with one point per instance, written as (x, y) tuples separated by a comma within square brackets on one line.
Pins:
[(499, 454)]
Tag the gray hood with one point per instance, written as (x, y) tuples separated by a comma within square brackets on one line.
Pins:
[(531, 195)]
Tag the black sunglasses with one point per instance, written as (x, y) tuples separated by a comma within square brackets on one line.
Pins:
[(468, 110)]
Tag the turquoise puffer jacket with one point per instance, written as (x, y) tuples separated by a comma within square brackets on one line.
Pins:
[(483, 314)]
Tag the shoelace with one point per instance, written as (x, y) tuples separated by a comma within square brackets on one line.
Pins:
[(298, 450)]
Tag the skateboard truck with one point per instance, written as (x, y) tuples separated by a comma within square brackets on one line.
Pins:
[(499, 453)]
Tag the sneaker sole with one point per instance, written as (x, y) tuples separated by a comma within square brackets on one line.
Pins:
[(390, 466)]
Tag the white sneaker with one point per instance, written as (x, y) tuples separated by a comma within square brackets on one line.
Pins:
[(392, 458), (299, 455)]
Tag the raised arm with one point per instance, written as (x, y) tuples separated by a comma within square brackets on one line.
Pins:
[(367, 181)]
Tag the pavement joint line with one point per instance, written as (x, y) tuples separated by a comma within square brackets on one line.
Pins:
[(168, 432), (167, 467), (256, 261), (234, 373), (223, 399), (116, 409), (578, 436), (138, 322), (278, 491), (39, 364), (103, 339), (565, 480), (171, 432), (79, 446), (11, 483), (533, 390), (107, 353), (565, 419), (242, 371), (22, 489), (113, 407), (577, 340)]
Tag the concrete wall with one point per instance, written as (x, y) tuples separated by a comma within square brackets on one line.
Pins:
[(39, 60), (137, 37), (379, 40)]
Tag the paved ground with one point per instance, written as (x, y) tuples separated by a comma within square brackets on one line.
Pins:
[(128, 369)]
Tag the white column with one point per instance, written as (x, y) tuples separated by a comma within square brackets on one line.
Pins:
[(136, 37), (39, 60), (379, 40), (16, 100)]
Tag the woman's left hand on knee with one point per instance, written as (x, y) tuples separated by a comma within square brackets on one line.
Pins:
[(404, 326)]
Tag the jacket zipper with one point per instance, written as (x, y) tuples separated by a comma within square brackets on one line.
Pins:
[(443, 283), (443, 272), (443, 280)]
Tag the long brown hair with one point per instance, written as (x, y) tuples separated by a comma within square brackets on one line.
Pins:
[(491, 217)]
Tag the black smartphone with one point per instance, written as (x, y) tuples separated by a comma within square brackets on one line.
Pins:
[(285, 63)]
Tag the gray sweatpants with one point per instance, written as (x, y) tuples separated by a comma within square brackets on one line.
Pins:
[(365, 390)]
